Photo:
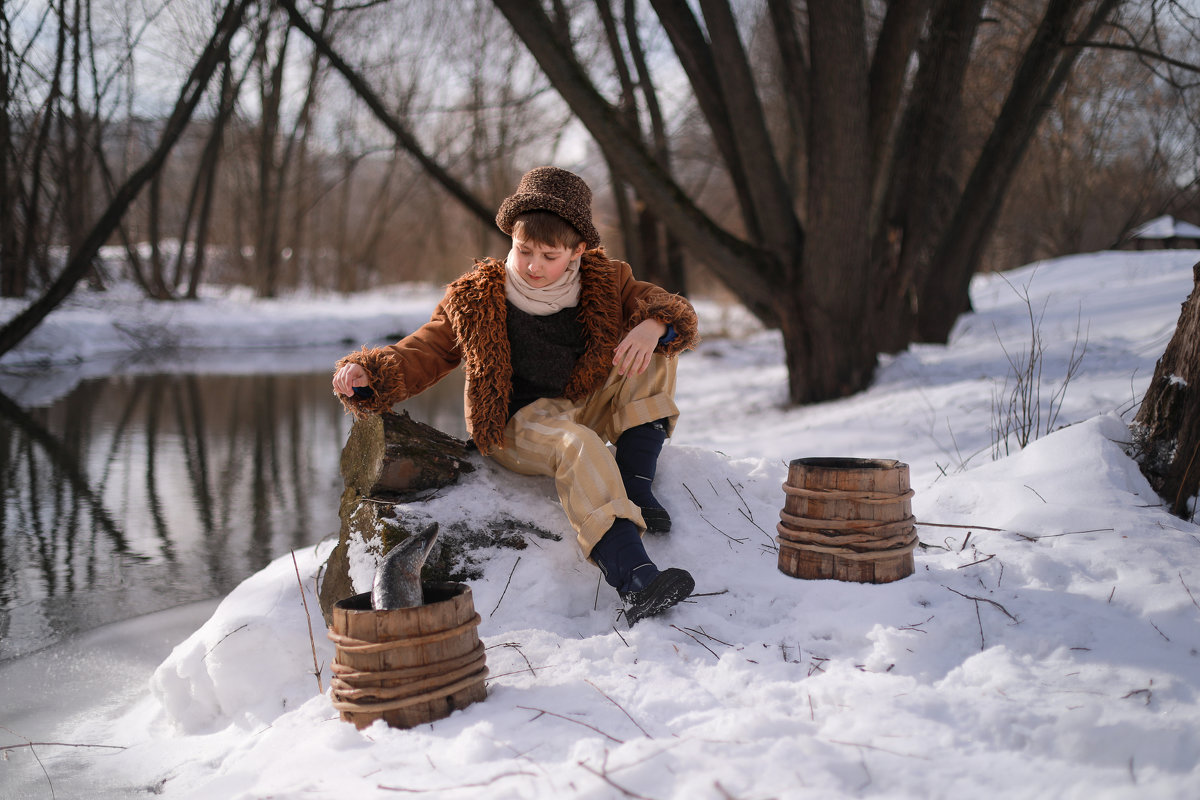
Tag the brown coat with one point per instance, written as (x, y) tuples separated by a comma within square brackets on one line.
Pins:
[(469, 327)]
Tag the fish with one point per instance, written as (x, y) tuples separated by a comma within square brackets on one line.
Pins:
[(397, 581)]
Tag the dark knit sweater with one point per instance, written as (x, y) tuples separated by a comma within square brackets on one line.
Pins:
[(544, 351)]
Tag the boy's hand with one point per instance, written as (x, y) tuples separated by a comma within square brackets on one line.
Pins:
[(635, 350), (347, 377)]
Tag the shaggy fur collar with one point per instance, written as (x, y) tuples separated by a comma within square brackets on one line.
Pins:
[(475, 307)]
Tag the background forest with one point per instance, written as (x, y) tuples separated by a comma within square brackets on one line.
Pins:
[(823, 163)]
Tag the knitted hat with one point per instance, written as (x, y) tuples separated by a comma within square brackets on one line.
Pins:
[(554, 190)]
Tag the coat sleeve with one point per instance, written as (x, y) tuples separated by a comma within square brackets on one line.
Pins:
[(404, 369), (642, 300)]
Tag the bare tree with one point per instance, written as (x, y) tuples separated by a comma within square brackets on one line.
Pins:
[(209, 59)]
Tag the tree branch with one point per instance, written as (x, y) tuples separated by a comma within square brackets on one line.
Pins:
[(405, 137), (1135, 49)]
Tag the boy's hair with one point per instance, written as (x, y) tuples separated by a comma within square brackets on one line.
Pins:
[(545, 227)]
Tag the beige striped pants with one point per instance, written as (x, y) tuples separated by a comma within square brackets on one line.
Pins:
[(568, 441)]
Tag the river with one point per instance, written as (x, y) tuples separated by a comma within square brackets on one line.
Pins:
[(147, 489)]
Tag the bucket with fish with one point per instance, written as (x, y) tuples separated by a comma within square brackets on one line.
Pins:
[(407, 652)]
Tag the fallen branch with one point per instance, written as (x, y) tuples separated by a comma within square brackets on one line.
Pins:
[(697, 641), (618, 705), (1189, 591), (541, 711), (956, 525), (489, 782), (603, 775), (723, 533), (507, 582), (986, 600), (31, 745), (311, 640)]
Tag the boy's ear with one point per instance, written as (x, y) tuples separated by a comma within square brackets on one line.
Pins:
[(579, 249)]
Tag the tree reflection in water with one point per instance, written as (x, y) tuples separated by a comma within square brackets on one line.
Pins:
[(134, 494)]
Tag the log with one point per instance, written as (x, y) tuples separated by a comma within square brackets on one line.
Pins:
[(1166, 430), (395, 454), (388, 460)]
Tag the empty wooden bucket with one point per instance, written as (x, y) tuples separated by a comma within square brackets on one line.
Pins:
[(407, 666), (849, 519)]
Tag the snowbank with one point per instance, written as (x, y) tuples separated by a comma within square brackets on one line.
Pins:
[(1055, 658)]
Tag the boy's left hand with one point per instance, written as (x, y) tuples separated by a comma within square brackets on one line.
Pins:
[(635, 350)]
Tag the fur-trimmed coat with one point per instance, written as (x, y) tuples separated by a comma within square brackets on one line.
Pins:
[(469, 327)]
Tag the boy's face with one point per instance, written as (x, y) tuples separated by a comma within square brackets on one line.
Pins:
[(542, 264)]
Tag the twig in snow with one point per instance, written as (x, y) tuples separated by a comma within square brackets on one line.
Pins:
[(697, 641), (596, 600), (619, 636), (812, 712), (603, 775), (733, 486), (30, 745), (506, 583), (917, 626), (986, 600), (525, 658), (1110, 594), (955, 525), (966, 539), (441, 789), (223, 638), (1147, 691), (541, 711), (973, 563), (1189, 591), (708, 636), (979, 615), (1035, 491), (708, 594), (1075, 533), (619, 706), (723, 533), (774, 547), (694, 500), (1160, 633), (880, 749), (311, 640)]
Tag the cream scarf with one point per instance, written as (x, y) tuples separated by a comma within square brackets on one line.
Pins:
[(546, 300)]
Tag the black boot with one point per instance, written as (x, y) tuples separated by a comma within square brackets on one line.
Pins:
[(643, 589), (637, 459)]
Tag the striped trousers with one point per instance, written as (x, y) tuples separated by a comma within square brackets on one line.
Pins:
[(568, 441)]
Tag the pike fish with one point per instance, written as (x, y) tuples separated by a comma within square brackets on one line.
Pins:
[(398, 579)]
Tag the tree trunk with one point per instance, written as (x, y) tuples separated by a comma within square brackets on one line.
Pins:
[(1166, 430), (1044, 68), (12, 271), (834, 353)]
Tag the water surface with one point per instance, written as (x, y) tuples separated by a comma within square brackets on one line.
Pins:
[(137, 492)]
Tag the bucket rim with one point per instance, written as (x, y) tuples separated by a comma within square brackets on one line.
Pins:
[(443, 591), (847, 463)]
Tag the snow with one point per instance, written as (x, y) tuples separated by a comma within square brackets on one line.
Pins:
[(1166, 227), (1048, 644)]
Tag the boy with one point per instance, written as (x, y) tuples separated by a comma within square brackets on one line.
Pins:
[(563, 351)]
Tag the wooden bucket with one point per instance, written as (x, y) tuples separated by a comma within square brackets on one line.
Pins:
[(407, 666), (849, 519)]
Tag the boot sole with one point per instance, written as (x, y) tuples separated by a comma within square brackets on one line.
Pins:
[(669, 588)]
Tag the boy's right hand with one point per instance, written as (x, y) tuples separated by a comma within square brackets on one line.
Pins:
[(347, 377)]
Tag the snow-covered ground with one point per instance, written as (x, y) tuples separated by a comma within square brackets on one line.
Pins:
[(1048, 645)]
